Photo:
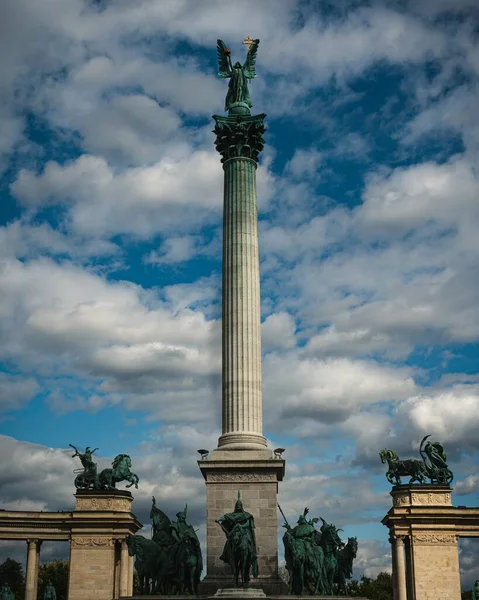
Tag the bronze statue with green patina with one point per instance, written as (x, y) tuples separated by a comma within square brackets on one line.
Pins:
[(239, 551), (108, 478), (238, 99), (303, 555), (186, 554), (50, 592), (88, 478), (432, 466), (6, 593), (475, 590)]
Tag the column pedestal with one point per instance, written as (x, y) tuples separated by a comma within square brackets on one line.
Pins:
[(423, 515), (98, 567), (255, 474)]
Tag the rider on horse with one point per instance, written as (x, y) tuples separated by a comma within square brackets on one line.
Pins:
[(240, 533)]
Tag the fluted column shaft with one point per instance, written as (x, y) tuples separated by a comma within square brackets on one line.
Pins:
[(239, 140)]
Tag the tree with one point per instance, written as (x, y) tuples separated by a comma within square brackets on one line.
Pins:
[(55, 571), (380, 588), (11, 572)]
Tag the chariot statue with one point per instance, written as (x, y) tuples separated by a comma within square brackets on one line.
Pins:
[(432, 466), (89, 478)]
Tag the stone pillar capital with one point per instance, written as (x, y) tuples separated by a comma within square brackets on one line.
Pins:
[(239, 136), (397, 539), (34, 542)]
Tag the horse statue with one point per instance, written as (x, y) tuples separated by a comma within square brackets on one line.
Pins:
[(412, 467), (304, 557), (331, 544), (239, 551), (242, 556), (149, 558), (345, 559), (189, 565), (120, 471)]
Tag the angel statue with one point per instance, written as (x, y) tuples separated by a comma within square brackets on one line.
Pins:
[(238, 100)]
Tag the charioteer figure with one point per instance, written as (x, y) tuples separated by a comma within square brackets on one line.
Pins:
[(89, 477)]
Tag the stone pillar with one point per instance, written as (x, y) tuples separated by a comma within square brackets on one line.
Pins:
[(239, 141), (130, 575), (124, 567), (98, 565), (31, 579), (399, 568), (37, 568), (423, 516)]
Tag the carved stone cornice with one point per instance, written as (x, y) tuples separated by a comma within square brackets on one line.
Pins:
[(239, 136)]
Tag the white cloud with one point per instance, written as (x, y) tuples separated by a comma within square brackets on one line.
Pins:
[(15, 391), (329, 390)]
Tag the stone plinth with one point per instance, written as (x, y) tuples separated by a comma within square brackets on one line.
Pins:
[(256, 475), (99, 565), (424, 527)]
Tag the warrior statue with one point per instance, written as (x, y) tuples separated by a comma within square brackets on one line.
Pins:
[(304, 556), (49, 593), (238, 100), (186, 553), (6, 593), (240, 547), (89, 477), (475, 590)]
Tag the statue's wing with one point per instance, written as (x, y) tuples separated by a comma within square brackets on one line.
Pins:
[(224, 69), (250, 62)]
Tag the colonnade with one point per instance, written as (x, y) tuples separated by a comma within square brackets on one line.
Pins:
[(125, 587)]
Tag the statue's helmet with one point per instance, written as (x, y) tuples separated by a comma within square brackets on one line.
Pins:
[(182, 514), (87, 449), (301, 520), (239, 504), (237, 65)]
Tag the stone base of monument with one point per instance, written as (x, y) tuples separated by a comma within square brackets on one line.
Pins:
[(240, 593), (100, 567), (268, 586)]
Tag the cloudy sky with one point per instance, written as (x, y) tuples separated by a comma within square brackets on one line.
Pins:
[(110, 247)]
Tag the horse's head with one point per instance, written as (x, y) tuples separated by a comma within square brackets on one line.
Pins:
[(353, 544), (132, 544), (388, 455)]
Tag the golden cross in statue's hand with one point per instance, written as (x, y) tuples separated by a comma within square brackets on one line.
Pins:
[(248, 42)]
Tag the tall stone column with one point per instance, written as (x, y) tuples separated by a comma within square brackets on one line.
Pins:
[(31, 579), (239, 141), (242, 462)]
